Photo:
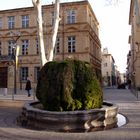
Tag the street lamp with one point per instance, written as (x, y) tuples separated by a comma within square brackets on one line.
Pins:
[(15, 37)]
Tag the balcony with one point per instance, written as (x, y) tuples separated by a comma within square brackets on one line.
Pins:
[(4, 58)]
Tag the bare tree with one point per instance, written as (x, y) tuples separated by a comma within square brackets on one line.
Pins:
[(50, 54), (55, 30), (38, 6)]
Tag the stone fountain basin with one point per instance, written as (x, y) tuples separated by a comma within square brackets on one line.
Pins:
[(69, 121)]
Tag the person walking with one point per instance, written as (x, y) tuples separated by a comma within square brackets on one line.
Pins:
[(28, 87), (129, 83)]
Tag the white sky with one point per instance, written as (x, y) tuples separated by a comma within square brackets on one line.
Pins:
[(113, 20), (114, 29)]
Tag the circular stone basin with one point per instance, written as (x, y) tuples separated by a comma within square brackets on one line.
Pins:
[(69, 121)]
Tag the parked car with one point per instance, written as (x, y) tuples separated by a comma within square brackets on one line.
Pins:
[(122, 86)]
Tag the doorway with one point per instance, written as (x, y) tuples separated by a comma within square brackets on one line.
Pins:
[(3, 77)]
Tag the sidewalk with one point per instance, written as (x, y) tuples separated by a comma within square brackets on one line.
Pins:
[(128, 104), (21, 95)]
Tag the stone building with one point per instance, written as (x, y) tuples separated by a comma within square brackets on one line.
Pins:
[(133, 57), (109, 71), (77, 39)]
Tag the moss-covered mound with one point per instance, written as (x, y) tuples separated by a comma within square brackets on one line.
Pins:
[(68, 85)]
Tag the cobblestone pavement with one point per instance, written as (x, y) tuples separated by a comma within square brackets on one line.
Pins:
[(128, 104)]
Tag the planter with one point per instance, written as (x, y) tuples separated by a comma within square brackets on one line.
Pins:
[(69, 121)]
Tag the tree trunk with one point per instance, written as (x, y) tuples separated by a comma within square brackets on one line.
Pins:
[(55, 30), (37, 5)]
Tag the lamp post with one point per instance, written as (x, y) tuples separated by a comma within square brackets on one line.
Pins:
[(15, 37)]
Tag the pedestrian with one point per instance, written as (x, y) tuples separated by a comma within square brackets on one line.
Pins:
[(129, 83), (28, 87)]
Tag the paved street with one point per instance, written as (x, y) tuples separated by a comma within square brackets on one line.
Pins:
[(128, 104)]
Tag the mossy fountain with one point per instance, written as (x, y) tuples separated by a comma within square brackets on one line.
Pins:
[(70, 99)]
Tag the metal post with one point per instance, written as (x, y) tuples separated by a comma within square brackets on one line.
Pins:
[(15, 77), (13, 35), (15, 88)]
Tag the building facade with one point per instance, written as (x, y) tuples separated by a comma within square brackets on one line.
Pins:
[(77, 38), (133, 57), (109, 72)]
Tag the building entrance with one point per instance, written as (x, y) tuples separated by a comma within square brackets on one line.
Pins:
[(3, 77)]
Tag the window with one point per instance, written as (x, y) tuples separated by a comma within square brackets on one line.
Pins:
[(37, 46), (57, 46), (53, 18), (52, 15), (24, 73), (11, 44), (105, 64), (71, 16), (25, 44), (37, 70), (0, 22), (25, 21), (71, 44), (0, 48), (107, 73), (43, 14), (11, 22)]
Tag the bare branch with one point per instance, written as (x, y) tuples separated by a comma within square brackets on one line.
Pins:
[(55, 30), (38, 6)]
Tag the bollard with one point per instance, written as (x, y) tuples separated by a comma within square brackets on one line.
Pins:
[(5, 91)]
